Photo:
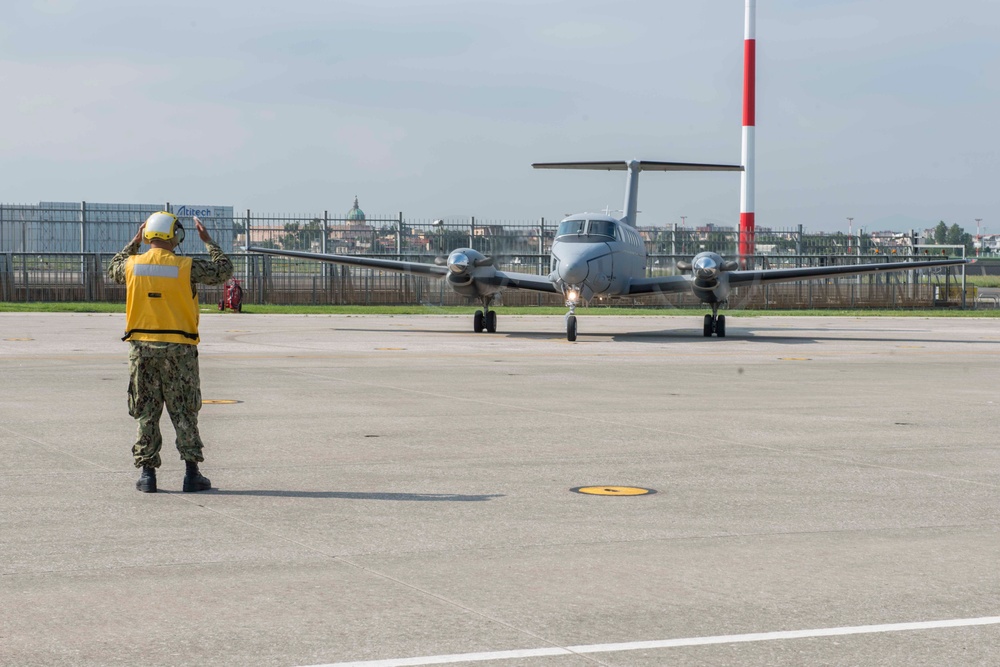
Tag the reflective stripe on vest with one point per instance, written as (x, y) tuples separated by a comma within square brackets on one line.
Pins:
[(158, 270)]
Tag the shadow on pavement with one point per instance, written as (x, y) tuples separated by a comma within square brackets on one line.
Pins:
[(355, 495)]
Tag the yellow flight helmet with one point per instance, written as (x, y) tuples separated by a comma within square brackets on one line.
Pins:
[(163, 226)]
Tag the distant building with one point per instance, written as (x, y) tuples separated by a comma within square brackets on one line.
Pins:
[(350, 233), (356, 217), (97, 227)]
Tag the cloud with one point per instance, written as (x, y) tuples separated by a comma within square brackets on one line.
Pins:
[(368, 147), (109, 110)]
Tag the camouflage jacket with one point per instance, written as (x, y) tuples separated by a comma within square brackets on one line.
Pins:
[(214, 271)]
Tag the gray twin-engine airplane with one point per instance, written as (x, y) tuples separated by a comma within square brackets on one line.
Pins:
[(600, 255)]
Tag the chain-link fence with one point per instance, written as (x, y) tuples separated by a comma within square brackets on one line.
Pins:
[(62, 277)]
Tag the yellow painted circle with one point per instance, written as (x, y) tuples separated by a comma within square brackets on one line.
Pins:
[(613, 490), (219, 401), (19, 339)]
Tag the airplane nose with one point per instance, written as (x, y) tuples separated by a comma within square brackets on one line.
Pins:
[(573, 273)]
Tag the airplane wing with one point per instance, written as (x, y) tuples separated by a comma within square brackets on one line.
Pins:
[(496, 278), (418, 268), (675, 284), (663, 285), (762, 276), (527, 281)]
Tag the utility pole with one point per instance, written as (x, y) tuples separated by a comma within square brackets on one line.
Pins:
[(979, 236), (850, 233)]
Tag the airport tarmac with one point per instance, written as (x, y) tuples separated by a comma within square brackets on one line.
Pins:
[(397, 490)]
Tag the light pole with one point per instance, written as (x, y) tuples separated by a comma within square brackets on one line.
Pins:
[(979, 236), (850, 233)]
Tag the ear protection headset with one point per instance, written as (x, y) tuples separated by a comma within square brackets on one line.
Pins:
[(163, 226)]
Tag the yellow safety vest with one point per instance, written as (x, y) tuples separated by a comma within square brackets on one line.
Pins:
[(160, 304)]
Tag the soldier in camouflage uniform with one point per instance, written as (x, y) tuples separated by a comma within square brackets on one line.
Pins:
[(162, 317)]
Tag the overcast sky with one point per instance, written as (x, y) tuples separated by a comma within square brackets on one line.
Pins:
[(883, 111)]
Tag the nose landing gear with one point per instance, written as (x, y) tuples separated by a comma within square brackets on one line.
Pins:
[(571, 320), (715, 323)]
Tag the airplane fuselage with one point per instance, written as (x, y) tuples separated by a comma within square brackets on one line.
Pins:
[(596, 255)]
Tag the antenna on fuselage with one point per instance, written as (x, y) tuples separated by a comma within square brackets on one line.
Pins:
[(633, 167)]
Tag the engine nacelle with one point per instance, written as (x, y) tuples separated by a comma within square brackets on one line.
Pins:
[(470, 272)]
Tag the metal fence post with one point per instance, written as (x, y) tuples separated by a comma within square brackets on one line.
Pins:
[(246, 267), (7, 278), (399, 237), (83, 226), (798, 247)]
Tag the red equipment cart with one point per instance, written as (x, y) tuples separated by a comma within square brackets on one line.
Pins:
[(232, 296)]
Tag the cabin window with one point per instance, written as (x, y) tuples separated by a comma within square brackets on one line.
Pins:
[(571, 227), (601, 228)]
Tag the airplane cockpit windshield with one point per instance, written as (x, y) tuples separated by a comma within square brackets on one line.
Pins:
[(586, 227), (569, 227), (601, 228)]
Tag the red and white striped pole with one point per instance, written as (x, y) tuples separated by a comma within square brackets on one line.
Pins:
[(747, 243)]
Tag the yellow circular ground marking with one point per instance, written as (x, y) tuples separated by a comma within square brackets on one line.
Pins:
[(219, 401), (19, 339), (613, 490)]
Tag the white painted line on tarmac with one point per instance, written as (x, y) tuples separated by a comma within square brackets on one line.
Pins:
[(666, 643)]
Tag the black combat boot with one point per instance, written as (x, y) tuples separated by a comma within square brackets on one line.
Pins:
[(194, 480), (147, 480)]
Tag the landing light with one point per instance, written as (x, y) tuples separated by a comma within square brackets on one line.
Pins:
[(572, 295)]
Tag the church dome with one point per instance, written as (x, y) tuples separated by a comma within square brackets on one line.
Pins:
[(356, 214)]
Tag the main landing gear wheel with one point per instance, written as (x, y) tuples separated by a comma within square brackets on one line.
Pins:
[(485, 321), (571, 328)]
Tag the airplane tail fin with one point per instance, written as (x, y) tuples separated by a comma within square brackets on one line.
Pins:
[(634, 167)]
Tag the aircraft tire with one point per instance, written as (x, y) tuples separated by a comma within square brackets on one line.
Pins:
[(491, 321), (720, 327), (571, 328), (707, 331), (477, 321)]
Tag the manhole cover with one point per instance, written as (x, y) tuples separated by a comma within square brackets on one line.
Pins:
[(613, 490)]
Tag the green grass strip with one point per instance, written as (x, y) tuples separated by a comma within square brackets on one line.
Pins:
[(652, 311)]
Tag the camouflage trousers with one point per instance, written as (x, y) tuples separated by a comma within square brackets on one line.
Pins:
[(164, 374)]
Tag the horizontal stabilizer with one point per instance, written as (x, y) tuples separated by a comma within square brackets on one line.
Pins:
[(644, 165)]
